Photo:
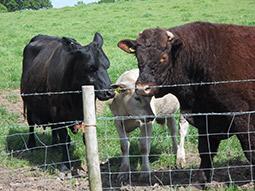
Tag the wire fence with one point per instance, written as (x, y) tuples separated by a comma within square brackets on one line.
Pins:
[(230, 164)]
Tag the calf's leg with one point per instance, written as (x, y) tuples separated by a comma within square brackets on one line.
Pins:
[(145, 145), (171, 124), (124, 145), (183, 129)]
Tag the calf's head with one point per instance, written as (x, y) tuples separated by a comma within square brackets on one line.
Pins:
[(89, 67), (132, 104), (156, 51)]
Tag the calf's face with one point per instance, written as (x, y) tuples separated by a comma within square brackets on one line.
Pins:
[(155, 50), (133, 104)]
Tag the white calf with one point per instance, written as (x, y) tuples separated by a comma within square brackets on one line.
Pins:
[(128, 103)]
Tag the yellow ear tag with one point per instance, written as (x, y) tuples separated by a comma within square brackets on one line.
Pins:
[(117, 90), (131, 50)]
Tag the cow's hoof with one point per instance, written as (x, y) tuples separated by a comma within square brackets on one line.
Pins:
[(180, 162), (65, 175), (54, 142), (123, 177), (145, 177), (31, 145), (65, 168), (180, 158)]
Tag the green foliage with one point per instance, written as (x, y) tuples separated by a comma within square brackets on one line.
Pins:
[(79, 3), (3, 9), (107, 1), (122, 19), (14, 5), (11, 5)]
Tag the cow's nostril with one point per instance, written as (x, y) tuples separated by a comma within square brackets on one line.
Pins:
[(146, 88), (110, 93)]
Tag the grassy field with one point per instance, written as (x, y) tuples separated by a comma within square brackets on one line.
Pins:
[(115, 21)]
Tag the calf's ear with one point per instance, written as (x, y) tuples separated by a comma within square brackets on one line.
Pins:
[(119, 88), (98, 39), (128, 46)]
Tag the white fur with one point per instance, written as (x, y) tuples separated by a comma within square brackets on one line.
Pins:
[(126, 104)]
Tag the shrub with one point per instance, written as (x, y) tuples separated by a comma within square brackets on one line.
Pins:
[(3, 9)]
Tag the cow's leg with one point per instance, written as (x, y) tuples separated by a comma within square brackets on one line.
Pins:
[(145, 145), (124, 145), (247, 140), (54, 136), (31, 138), (65, 144), (207, 146), (183, 129), (207, 143), (248, 148)]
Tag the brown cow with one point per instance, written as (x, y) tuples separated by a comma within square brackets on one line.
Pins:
[(203, 52)]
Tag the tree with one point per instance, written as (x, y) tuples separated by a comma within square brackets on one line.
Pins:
[(14, 5), (79, 3), (3, 9), (11, 5)]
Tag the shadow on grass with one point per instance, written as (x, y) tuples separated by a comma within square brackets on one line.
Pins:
[(232, 173), (44, 155)]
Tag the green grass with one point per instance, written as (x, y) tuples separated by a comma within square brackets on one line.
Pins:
[(115, 21)]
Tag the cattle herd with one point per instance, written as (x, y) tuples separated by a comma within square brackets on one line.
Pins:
[(191, 53)]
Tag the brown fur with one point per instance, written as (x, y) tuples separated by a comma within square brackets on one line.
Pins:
[(204, 52)]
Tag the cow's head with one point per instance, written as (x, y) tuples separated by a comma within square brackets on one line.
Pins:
[(90, 66), (130, 103), (156, 51)]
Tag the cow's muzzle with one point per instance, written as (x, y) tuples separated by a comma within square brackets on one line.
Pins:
[(146, 89), (105, 94)]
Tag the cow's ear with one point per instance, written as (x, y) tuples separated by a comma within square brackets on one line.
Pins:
[(98, 39), (176, 44), (128, 46), (69, 44)]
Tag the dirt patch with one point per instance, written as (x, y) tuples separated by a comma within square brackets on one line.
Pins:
[(35, 180)]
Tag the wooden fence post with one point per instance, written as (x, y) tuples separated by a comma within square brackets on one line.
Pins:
[(88, 96)]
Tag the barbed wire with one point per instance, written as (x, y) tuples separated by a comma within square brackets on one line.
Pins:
[(158, 86), (112, 174), (176, 114)]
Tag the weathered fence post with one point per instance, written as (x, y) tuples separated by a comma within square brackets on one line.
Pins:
[(89, 113)]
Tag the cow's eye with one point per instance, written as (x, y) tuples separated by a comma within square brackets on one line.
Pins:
[(93, 69), (163, 58)]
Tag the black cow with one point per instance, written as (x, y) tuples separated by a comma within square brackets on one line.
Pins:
[(205, 52), (52, 64)]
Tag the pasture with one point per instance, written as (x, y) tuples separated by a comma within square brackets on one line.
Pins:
[(115, 21)]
